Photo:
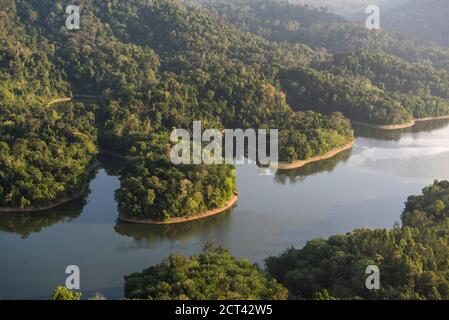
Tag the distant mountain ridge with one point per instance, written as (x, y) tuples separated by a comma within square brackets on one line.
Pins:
[(425, 20), (349, 8)]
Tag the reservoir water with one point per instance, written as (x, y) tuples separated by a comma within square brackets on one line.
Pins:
[(362, 187)]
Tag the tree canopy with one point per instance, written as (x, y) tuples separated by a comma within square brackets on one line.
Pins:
[(211, 275), (412, 258), (157, 65)]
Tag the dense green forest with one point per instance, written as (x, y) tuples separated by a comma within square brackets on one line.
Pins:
[(412, 259), (375, 77), (391, 73), (157, 65), (358, 97), (45, 155), (212, 275), (155, 188), (160, 65), (319, 29)]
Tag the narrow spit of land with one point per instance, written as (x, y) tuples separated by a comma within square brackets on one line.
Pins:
[(301, 163), (398, 126)]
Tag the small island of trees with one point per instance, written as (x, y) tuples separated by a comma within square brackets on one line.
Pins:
[(412, 259)]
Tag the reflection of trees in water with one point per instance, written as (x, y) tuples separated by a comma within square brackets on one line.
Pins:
[(395, 135), (111, 163), (299, 175), (427, 126), (28, 223), (172, 232)]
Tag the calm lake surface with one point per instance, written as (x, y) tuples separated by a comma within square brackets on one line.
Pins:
[(363, 187)]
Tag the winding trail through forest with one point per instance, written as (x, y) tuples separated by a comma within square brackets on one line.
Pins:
[(75, 97)]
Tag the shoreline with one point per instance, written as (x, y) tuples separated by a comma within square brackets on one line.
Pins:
[(398, 126), (53, 205), (301, 163), (229, 204), (432, 118), (386, 126), (56, 204)]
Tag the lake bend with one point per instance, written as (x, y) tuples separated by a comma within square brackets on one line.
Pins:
[(362, 187)]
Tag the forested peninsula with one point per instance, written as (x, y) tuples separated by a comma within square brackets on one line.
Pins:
[(412, 259), (161, 65)]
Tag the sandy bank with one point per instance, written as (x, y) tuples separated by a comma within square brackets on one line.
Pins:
[(55, 204), (231, 203), (432, 118), (301, 163), (398, 126), (386, 126)]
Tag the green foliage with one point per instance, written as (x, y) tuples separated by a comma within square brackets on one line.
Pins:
[(428, 209), (157, 65), (46, 155), (391, 73), (317, 28), (62, 293), (390, 82), (211, 275), (152, 187), (310, 134), (413, 259), (358, 98)]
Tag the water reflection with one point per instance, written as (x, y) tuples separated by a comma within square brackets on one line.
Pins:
[(396, 135), (311, 169), (111, 163), (408, 152), (150, 234), (26, 224), (362, 187)]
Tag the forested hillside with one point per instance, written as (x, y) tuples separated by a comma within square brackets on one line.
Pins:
[(211, 275), (160, 65), (422, 20), (390, 82), (157, 65), (412, 259), (318, 28)]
